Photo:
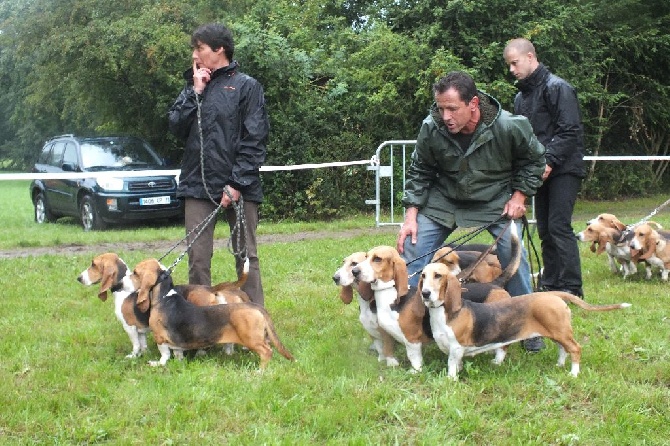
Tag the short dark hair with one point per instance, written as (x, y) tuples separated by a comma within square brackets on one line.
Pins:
[(459, 81), (216, 36)]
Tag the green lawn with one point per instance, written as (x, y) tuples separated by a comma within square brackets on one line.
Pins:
[(64, 379)]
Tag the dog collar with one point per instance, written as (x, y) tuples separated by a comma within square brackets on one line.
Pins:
[(379, 285)]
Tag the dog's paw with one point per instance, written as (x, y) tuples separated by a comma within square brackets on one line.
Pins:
[(392, 362), (155, 363)]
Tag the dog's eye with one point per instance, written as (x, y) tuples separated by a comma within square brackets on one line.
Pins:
[(438, 276), (354, 263), (376, 259)]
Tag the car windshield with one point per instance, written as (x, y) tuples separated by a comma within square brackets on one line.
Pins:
[(117, 154)]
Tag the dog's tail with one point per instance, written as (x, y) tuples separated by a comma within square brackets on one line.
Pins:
[(514, 263), (586, 306), (272, 334), (241, 280)]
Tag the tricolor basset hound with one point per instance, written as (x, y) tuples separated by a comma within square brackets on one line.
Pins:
[(344, 278), (486, 270), (653, 246), (400, 310), (464, 328), (110, 271), (179, 325)]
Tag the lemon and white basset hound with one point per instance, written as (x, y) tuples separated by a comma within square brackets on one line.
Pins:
[(653, 246), (463, 328), (614, 242), (179, 325), (344, 278)]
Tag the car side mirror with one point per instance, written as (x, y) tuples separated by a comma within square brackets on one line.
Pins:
[(68, 167)]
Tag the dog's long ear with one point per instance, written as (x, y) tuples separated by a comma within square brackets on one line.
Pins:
[(649, 247), (109, 276), (347, 294), (619, 225), (593, 247), (400, 275), (148, 279), (450, 292), (602, 243), (365, 290)]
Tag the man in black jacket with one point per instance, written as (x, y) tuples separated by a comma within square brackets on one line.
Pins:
[(551, 105), (221, 116)]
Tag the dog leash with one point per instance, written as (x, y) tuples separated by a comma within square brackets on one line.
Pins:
[(240, 222), (466, 273), (645, 219), (454, 245)]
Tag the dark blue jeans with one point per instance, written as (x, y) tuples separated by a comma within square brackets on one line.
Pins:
[(554, 204), (431, 236)]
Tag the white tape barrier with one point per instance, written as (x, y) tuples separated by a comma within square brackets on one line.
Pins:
[(373, 161), (150, 173)]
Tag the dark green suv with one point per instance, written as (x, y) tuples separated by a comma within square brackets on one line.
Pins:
[(101, 200)]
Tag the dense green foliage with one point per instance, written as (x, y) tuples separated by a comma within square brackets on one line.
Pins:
[(340, 77)]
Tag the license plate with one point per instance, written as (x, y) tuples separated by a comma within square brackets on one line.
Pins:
[(151, 201)]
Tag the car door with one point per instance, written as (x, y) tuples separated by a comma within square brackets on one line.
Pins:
[(53, 187), (70, 187)]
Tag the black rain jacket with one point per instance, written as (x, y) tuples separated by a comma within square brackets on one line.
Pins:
[(235, 128), (551, 106)]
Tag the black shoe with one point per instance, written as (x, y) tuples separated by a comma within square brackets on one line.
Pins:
[(533, 345)]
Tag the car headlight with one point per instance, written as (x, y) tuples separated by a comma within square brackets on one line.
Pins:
[(110, 183)]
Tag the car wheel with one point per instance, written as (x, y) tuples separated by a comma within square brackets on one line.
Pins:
[(90, 219), (42, 212)]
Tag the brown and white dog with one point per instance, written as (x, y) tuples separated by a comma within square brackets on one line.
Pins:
[(614, 242), (399, 312), (654, 248), (179, 325), (110, 271), (462, 328), (486, 271), (382, 342)]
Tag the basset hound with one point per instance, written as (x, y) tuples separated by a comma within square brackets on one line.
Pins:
[(110, 271), (486, 270), (615, 242), (179, 325), (400, 310), (463, 328), (344, 278), (653, 246)]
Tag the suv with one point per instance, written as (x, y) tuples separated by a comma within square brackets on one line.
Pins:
[(99, 201)]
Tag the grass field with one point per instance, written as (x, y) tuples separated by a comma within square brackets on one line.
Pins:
[(64, 379)]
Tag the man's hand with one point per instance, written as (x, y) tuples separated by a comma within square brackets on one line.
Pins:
[(547, 171), (229, 192), (200, 78), (516, 206), (409, 227)]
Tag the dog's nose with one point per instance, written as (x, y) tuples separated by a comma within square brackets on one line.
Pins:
[(336, 279), (425, 294), (356, 271), (80, 279)]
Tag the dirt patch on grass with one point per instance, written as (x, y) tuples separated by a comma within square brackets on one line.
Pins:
[(164, 246)]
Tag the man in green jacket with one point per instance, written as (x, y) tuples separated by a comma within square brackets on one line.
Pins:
[(472, 164)]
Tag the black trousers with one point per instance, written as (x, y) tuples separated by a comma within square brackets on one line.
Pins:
[(554, 204)]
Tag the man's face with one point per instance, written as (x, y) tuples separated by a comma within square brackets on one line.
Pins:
[(456, 114), (205, 57), (520, 64)]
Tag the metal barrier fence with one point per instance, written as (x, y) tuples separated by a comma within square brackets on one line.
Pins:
[(390, 165)]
